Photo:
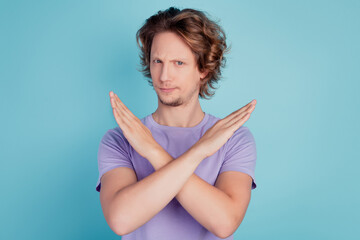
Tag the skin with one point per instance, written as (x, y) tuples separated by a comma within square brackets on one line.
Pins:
[(219, 208), (172, 65)]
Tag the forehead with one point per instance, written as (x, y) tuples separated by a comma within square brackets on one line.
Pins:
[(169, 45)]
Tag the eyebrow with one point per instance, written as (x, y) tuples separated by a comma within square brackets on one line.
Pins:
[(179, 58)]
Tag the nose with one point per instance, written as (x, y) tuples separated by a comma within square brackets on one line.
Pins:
[(165, 72)]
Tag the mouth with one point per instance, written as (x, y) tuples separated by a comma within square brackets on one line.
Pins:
[(167, 90)]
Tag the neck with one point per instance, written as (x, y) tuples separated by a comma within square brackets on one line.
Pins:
[(180, 116)]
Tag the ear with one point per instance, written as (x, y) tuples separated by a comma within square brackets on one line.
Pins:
[(204, 74)]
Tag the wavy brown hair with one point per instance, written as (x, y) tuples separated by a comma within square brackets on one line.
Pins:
[(205, 38)]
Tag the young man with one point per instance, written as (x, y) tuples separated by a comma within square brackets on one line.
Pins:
[(178, 173)]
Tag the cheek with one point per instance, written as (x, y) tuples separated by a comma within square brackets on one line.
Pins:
[(189, 73), (195, 76), (153, 73)]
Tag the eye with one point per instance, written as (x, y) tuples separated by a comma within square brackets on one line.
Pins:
[(180, 63), (155, 61)]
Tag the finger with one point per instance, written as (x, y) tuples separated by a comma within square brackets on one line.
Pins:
[(113, 102), (248, 107), (120, 108), (240, 110), (125, 109), (126, 119), (120, 103), (116, 106), (111, 98), (123, 122), (118, 119), (241, 121), (239, 116)]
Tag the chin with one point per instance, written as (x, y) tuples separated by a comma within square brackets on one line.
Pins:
[(171, 103)]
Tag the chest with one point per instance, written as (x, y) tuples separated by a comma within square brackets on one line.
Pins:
[(208, 169)]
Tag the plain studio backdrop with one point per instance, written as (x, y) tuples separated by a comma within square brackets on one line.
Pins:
[(299, 59)]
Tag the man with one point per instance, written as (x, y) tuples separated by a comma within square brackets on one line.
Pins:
[(178, 173)]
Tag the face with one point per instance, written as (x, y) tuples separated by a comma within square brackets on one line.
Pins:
[(173, 68)]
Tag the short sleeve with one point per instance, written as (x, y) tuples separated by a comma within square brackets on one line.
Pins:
[(113, 152), (240, 154)]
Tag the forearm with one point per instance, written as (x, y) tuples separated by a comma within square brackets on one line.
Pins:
[(136, 204), (210, 206)]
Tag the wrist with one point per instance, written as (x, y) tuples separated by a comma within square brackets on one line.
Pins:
[(158, 156), (199, 150)]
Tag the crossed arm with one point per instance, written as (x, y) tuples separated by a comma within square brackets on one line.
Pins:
[(219, 208)]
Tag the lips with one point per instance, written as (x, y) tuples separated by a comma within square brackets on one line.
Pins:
[(167, 89)]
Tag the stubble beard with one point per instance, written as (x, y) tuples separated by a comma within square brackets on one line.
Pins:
[(172, 103), (179, 101)]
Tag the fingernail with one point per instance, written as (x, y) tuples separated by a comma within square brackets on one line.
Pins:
[(111, 93)]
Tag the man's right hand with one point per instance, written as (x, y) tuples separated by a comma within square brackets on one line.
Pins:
[(216, 136)]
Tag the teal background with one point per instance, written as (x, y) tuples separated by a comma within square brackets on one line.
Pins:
[(299, 59)]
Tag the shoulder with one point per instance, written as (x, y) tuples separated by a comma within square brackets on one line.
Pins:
[(242, 133), (115, 137), (113, 133), (241, 138)]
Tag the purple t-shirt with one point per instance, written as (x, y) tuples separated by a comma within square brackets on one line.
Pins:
[(173, 221)]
